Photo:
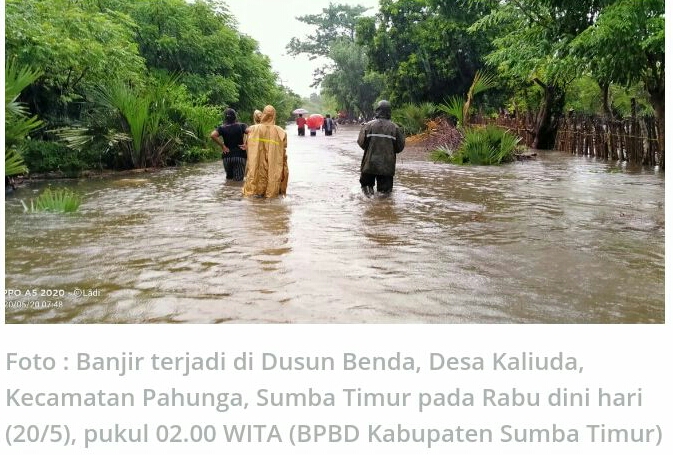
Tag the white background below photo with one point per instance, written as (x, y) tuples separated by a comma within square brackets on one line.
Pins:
[(389, 383)]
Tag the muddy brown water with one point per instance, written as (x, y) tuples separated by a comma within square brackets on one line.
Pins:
[(561, 239)]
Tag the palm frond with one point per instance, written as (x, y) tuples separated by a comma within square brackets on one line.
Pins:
[(17, 123), (482, 81), (17, 128), (74, 137), (18, 77), (14, 164), (443, 154), (454, 108)]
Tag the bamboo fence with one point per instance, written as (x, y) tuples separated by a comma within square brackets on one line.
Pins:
[(633, 139)]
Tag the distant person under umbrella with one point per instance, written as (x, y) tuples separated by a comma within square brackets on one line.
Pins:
[(301, 125), (230, 136), (314, 123)]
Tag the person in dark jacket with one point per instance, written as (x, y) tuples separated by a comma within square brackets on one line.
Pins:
[(328, 125), (381, 140), (230, 136)]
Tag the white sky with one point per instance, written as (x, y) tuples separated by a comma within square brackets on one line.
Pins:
[(272, 24)]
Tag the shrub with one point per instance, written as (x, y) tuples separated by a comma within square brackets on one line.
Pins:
[(143, 115), (198, 154), (61, 200), (198, 119), (489, 145), (46, 156), (413, 117), (453, 108), (456, 108), (443, 154)]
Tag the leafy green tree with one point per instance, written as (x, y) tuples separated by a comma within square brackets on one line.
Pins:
[(346, 79), (336, 22), (585, 96), (75, 48), (626, 46), (285, 101), (353, 88), (199, 41), (188, 39), (104, 63), (422, 48), (316, 103), (532, 43)]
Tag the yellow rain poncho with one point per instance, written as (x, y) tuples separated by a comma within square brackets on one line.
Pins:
[(266, 173)]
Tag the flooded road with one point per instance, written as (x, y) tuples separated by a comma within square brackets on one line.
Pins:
[(558, 240)]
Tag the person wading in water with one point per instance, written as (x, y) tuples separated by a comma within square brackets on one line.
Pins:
[(301, 125), (381, 140), (230, 136), (328, 126), (267, 172)]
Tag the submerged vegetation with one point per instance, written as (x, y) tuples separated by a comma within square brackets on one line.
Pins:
[(62, 200), (482, 145)]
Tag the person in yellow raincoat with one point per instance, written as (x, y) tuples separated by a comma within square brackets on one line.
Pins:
[(257, 117), (266, 173)]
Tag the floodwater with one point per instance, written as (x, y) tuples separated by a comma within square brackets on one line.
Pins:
[(561, 239)]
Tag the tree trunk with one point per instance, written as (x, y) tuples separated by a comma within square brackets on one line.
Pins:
[(547, 121), (657, 101), (605, 94), (655, 86), (607, 112)]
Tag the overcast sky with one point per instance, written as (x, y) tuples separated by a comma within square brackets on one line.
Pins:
[(272, 24)]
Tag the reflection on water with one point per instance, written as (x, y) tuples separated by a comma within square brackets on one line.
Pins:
[(561, 239)]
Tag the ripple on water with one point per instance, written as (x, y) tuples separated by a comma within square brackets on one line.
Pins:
[(559, 239)]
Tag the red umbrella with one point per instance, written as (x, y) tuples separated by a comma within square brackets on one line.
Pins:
[(314, 121)]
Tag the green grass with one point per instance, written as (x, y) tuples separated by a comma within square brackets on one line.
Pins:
[(61, 200)]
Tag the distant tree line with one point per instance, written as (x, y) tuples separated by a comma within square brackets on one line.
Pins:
[(547, 55)]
